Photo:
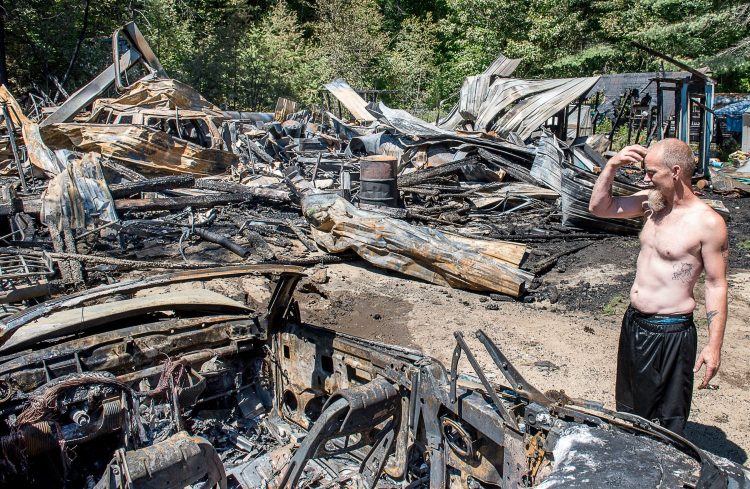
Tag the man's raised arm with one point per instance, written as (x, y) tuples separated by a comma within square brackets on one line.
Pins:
[(715, 254), (602, 203)]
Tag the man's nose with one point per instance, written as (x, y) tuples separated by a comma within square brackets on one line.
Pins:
[(647, 178)]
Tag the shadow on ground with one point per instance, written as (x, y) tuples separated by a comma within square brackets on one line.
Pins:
[(715, 441)]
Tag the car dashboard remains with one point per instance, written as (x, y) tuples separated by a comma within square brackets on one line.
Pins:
[(131, 385)]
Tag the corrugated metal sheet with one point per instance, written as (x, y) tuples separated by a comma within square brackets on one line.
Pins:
[(577, 186), (547, 166), (351, 100), (506, 91), (534, 111), (406, 123), (474, 92), (503, 66)]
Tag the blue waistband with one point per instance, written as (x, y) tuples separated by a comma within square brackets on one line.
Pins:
[(661, 319)]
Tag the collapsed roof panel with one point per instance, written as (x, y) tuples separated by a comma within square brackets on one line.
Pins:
[(515, 105), (165, 94), (351, 100), (502, 66), (152, 151)]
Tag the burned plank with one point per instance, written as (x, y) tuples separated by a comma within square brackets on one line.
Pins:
[(178, 203), (422, 176), (237, 188), (157, 184)]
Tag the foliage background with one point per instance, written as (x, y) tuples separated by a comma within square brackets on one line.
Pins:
[(244, 54)]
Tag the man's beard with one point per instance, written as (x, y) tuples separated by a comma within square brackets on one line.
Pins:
[(656, 201)]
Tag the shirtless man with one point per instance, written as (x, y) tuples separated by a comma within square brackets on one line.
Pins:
[(681, 238)]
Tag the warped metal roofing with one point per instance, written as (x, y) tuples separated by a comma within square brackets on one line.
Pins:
[(351, 99)]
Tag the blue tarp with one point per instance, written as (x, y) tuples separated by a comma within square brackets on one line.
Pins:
[(733, 114)]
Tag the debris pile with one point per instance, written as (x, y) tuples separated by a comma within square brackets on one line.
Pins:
[(161, 178), (154, 387)]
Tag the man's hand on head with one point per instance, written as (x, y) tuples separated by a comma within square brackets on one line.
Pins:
[(711, 356), (629, 155)]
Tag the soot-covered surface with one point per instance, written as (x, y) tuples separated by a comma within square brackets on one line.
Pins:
[(593, 458)]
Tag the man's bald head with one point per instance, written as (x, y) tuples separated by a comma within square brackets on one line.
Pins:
[(673, 152)]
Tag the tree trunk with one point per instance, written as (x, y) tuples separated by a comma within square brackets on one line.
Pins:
[(81, 37), (3, 66)]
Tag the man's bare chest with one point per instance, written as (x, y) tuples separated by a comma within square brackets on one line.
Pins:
[(671, 240)]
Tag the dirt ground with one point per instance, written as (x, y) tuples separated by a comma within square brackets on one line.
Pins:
[(570, 344)]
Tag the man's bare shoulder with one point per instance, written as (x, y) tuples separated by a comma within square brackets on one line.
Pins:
[(710, 222)]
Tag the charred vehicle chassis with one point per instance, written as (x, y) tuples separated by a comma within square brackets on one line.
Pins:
[(114, 388)]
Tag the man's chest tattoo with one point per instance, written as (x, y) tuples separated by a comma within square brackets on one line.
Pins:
[(682, 272)]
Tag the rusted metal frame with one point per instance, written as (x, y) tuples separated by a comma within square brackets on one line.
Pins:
[(13, 147), (23, 267), (215, 340), (281, 301), (138, 43), (327, 424), (11, 323), (189, 358), (513, 376), (350, 411), (508, 418)]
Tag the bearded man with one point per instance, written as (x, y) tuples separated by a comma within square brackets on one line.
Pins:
[(681, 238)]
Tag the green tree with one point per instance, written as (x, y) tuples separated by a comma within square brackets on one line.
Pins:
[(351, 41), (411, 61), (275, 61)]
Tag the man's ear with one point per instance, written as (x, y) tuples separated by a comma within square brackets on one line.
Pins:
[(676, 172)]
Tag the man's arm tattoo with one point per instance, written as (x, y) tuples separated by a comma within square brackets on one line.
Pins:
[(682, 272), (710, 315)]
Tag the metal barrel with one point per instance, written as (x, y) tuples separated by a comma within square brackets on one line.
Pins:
[(377, 177)]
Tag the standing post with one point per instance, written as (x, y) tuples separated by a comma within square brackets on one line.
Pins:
[(684, 120), (708, 126)]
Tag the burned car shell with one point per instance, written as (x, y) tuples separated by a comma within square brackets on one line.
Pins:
[(125, 391)]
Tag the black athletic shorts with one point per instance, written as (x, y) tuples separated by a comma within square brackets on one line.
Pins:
[(655, 367)]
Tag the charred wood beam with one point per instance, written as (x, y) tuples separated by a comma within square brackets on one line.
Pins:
[(152, 185), (237, 188), (33, 206), (260, 153), (515, 170), (422, 176), (122, 170), (309, 244), (178, 203), (115, 262), (258, 244)]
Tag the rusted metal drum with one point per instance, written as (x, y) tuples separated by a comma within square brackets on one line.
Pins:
[(377, 177)]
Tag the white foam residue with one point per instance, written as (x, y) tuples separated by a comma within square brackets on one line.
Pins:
[(578, 435)]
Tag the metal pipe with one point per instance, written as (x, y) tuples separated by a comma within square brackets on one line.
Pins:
[(12, 138)]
